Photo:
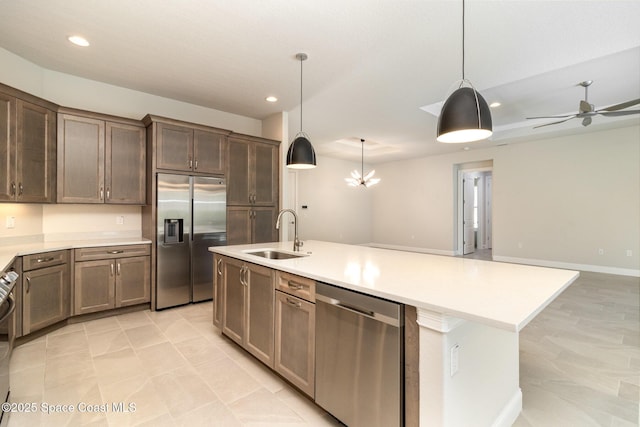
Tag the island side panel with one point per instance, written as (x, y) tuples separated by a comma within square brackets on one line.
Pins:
[(482, 387), (411, 368)]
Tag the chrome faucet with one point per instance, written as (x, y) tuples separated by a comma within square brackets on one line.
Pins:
[(296, 242)]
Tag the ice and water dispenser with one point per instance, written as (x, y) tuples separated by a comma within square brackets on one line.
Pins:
[(173, 230)]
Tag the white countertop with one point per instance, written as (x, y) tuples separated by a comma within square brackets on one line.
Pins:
[(7, 253), (498, 294)]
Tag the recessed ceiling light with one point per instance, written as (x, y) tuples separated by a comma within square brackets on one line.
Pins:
[(495, 104), (271, 99), (79, 41)]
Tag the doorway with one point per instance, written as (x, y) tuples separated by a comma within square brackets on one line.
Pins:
[(474, 211)]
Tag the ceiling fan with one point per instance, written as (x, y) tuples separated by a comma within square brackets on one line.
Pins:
[(586, 111)]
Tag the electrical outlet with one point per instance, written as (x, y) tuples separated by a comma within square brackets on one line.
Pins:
[(600, 251), (629, 252), (455, 355), (120, 220), (520, 245), (11, 222)]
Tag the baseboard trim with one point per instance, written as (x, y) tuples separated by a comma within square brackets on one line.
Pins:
[(570, 266), (510, 412)]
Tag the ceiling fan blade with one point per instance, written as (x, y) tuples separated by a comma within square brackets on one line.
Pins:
[(552, 117), (586, 121), (618, 113), (553, 123), (621, 106)]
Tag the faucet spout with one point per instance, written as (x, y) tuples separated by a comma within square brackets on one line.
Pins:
[(296, 242)]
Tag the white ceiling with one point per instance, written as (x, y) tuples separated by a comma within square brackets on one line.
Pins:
[(372, 63)]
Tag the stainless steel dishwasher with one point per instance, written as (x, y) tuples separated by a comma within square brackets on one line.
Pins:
[(359, 357)]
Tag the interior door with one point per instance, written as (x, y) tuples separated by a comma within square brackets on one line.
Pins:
[(467, 211)]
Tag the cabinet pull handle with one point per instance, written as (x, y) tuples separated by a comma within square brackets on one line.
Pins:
[(28, 284), (39, 260), (111, 269), (196, 164), (13, 188), (243, 275), (118, 269), (101, 193), (108, 194), (190, 163), (116, 252), (294, 303), (294, 285), (20, 189), (219, 269)]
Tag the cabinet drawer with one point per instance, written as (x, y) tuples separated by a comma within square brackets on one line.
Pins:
[(45, 259), (107, 252), (301, 287)]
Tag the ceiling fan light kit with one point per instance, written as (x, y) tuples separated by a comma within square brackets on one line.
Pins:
[(301, 154), (465, 115), (358, 179)]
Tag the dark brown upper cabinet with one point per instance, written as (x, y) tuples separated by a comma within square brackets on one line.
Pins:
[(101, 159)]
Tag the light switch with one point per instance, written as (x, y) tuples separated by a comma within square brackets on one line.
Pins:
[(455, 350), (11, 222)]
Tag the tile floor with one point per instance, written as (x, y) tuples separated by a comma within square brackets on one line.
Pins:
[(173, 365), (579, 366)]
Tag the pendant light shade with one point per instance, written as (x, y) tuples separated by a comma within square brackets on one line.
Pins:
[(465, 115), (301, 154)]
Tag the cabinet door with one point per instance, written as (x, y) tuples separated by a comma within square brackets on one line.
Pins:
[(80, 159), (7, 148), (239, 225), (125, 166), (94, 286), (233, 315), (295, 341), (45, 297), (218, 280), (209, 151), (263, 225), (259, 308), (239, 186), (265, 174), (36, 153), (174, 147), (133, 281)]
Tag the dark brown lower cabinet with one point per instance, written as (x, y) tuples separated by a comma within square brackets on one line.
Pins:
[(45, 290), (112, 282)]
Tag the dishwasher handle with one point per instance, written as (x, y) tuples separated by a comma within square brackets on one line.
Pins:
[(359, 310)]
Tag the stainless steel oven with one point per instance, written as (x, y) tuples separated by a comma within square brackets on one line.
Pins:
[(7, 336)]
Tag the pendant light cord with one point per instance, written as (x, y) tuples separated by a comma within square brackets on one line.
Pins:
[(462, 39), (362, 158), (301, 60)]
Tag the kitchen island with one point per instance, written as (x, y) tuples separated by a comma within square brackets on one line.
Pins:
[(469, 314)]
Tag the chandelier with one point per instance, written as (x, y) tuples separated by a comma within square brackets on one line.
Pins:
[(358, 179)]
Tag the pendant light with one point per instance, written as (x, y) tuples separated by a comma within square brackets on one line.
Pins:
[(301, 154), (365, 180), (465, 115)]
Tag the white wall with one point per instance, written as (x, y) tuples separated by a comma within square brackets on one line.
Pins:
[(555, 201), (335, 212)]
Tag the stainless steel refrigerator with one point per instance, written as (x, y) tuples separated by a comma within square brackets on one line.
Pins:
[(191, 218)]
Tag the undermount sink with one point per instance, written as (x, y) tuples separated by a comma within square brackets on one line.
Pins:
[(275, 254)]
